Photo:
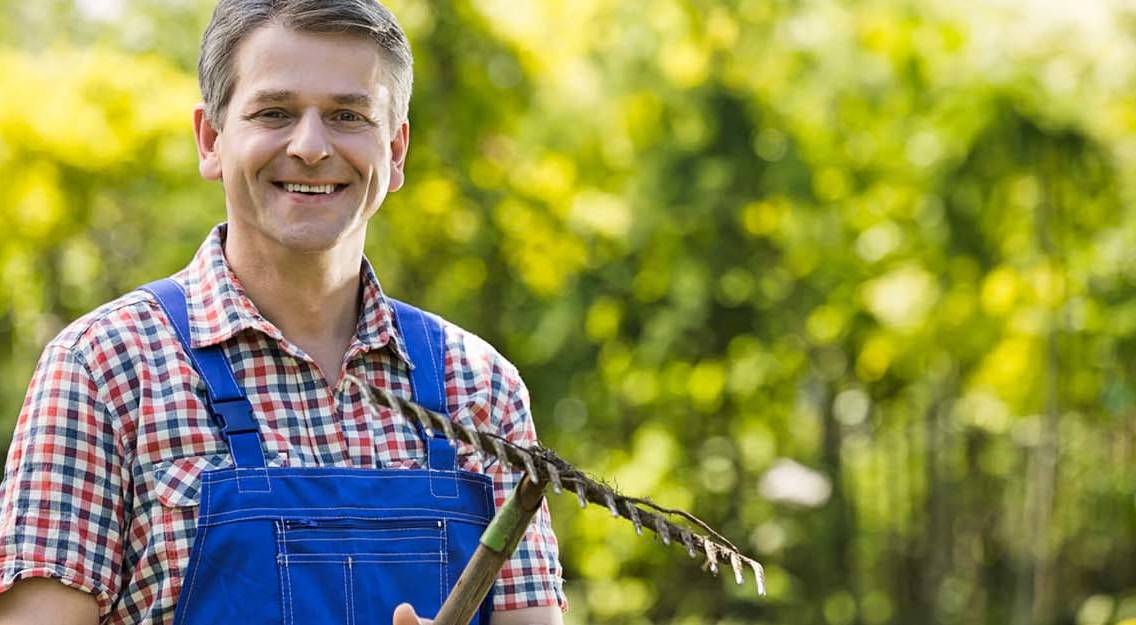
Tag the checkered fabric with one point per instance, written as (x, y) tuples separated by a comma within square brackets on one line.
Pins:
[(101, 483)]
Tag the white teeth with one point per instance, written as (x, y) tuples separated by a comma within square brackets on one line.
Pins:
[(309, 188)]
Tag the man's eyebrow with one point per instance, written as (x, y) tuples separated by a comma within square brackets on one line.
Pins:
[(279, 96), (360, 100), (273, 95)]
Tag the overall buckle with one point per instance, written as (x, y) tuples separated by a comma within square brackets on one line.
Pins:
[(235, 416)]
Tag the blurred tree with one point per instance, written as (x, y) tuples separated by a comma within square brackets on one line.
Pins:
[(887, 240)]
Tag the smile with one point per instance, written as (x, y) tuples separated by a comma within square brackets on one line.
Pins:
[(310, 189)]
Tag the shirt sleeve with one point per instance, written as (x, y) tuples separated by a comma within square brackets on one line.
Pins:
[(61, 502), (533, 575)]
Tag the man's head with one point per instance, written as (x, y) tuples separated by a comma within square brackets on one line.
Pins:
[(304, 142), (235, 20)]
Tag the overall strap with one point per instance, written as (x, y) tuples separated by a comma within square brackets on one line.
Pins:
[(425, 342), (226, 400)]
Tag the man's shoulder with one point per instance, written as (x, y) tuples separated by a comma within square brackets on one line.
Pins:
[(469, 355), (117, 327)]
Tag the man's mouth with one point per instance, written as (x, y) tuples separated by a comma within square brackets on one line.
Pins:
[(310, 189)]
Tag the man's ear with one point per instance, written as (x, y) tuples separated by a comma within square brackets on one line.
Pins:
[(208, 158), (400, 143)]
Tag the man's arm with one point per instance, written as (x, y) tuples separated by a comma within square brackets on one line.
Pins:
[(543, 615), (61, 500), (532, 575), (43, 600)]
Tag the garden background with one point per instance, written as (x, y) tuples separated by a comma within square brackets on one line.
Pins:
[(851, 281)]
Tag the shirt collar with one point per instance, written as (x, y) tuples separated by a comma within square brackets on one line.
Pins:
[(219, 308), (376, 327)]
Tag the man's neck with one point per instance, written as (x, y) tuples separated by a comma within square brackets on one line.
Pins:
[(313, 298)]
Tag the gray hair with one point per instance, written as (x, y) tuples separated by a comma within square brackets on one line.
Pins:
[(234, 20)]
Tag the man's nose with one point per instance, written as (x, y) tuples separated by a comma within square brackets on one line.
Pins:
[(310, 141)]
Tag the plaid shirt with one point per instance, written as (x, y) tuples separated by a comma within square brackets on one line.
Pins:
[(101, 484)]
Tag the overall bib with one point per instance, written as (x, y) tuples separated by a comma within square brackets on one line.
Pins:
[(326, 545)]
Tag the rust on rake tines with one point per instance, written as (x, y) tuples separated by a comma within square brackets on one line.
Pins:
[(543, 464)]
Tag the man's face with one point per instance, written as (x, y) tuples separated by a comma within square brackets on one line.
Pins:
[(307, 152)]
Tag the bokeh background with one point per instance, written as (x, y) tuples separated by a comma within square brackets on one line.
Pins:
[(851, 281)]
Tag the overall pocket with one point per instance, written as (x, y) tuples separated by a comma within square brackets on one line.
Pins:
[(355, 571)]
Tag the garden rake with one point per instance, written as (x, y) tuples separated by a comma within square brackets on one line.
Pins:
[(543, 467)]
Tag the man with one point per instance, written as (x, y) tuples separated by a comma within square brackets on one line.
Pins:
[(123, 451)]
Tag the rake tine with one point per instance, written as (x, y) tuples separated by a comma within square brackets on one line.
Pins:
[(634, 513), (530, 468), (662, 530), (554, 477), (610, 498), (689, 542), (448, 429), (499, 448), (475, 440), (759, 575)]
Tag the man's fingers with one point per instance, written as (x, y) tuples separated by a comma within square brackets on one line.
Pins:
[(405, 615)]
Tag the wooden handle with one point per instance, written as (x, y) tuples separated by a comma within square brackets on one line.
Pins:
[(498, 543)]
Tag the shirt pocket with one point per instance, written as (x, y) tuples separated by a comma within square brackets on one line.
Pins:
[(469, 459), (178, 482), (177, 496)]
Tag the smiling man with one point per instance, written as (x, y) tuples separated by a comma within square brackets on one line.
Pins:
[(200, 450)]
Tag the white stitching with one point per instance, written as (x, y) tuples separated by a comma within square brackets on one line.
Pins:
[(365, 559), (344, 539), (426, 509), (473, 478), (324, 558), (401, 326), (248, 514), (452, 478), (335, 556), (281, 558), (354, 609), (352, 539), (438, 389), (203, 527), (328, 527), (347, 591), (444, 569), (433, 361), (288, 574), (244, 479)]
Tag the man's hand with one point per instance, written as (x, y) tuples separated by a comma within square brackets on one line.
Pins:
[(43, 600), (405, 615)]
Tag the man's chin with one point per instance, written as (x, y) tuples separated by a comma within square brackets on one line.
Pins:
[(316, 238), (310, 244), (279, 233)]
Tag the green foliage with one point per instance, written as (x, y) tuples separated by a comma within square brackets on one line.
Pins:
[(889, 241)]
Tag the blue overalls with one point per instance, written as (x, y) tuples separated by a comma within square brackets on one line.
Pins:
[(326, 545)]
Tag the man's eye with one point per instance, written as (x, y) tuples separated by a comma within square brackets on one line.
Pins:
[(350, 117), (268, 115)]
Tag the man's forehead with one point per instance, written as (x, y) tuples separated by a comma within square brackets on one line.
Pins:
[(286, 96), (278, 64)]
